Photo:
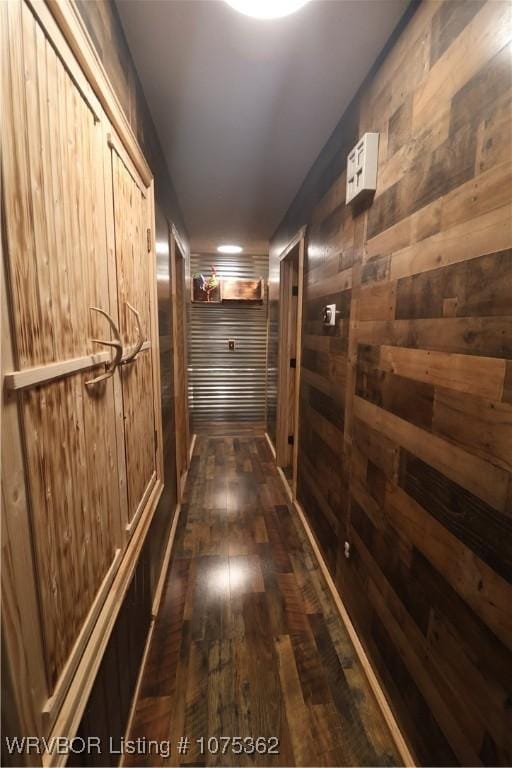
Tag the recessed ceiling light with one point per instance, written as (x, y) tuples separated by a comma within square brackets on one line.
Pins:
[(266, 9), (229, 249)]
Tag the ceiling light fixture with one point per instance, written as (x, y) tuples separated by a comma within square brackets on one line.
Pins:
[(229, 249), (266, 9)]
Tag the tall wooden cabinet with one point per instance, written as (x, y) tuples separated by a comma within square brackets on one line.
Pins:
[(81, 425), (132, 206)]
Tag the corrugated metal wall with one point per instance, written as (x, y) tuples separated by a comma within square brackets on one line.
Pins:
[(224, 385)]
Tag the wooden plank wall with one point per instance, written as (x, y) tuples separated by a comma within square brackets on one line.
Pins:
[(104, 26), (108, 706), (406, 405), (55, 276)]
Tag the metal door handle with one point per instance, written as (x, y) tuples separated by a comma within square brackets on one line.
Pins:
[(116, 344), (140, 341)]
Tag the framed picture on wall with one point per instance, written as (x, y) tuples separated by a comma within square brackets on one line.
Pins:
[(207, 288)]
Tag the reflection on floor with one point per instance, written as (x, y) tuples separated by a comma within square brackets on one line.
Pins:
[(248, 642)]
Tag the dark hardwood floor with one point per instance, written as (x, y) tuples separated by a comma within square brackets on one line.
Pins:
[(248, 641)]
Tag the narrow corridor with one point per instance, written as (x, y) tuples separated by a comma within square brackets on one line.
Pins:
[(248, 641)]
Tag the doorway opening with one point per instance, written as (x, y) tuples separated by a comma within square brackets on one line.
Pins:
[(179, 309), (290, 333)]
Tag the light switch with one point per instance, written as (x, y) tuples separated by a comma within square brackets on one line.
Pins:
[(329, 314)]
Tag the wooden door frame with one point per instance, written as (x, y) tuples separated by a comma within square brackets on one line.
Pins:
[(178, 248), (299, 239)]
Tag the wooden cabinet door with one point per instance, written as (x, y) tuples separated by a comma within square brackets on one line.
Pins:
[(57, 268), (132, 204)]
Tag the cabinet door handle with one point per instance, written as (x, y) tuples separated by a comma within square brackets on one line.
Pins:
[(140, 341), (116, 345)]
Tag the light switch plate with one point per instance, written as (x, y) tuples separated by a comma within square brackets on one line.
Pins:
[(329, 314), (362, 167)]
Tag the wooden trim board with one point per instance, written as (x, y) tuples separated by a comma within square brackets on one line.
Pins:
[(298, 361), (54, 702), (286, 484), (132, 525), (42, 374), (300, 235), (181, 243), (155, 607), (191, 450), (270, 445), (138, 684), (382, 702), (168, 549), (290, 346)]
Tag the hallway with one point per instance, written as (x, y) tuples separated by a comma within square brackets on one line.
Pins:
[(244, 586), (256, 368)]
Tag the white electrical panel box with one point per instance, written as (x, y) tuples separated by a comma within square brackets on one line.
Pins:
[(362, 167)]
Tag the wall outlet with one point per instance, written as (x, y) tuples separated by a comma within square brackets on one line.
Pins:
[(329, 314), (362, 167)]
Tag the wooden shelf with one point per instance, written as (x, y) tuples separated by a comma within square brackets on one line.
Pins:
[(243, 289)]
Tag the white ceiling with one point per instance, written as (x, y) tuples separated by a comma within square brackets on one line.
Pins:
[(243, 106)]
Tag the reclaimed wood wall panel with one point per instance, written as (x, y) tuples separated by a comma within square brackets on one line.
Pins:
[(406, 412)]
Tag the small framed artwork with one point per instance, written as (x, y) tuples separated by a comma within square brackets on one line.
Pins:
[(207, 289)]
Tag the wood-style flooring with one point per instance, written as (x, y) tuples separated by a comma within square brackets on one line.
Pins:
[(248, 641)]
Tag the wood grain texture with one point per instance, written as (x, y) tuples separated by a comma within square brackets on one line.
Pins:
[(62, 238), (108, 707), (131, 220), (241, 289), (104, 26), (243, 585), (74, 505), (406, 432)]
